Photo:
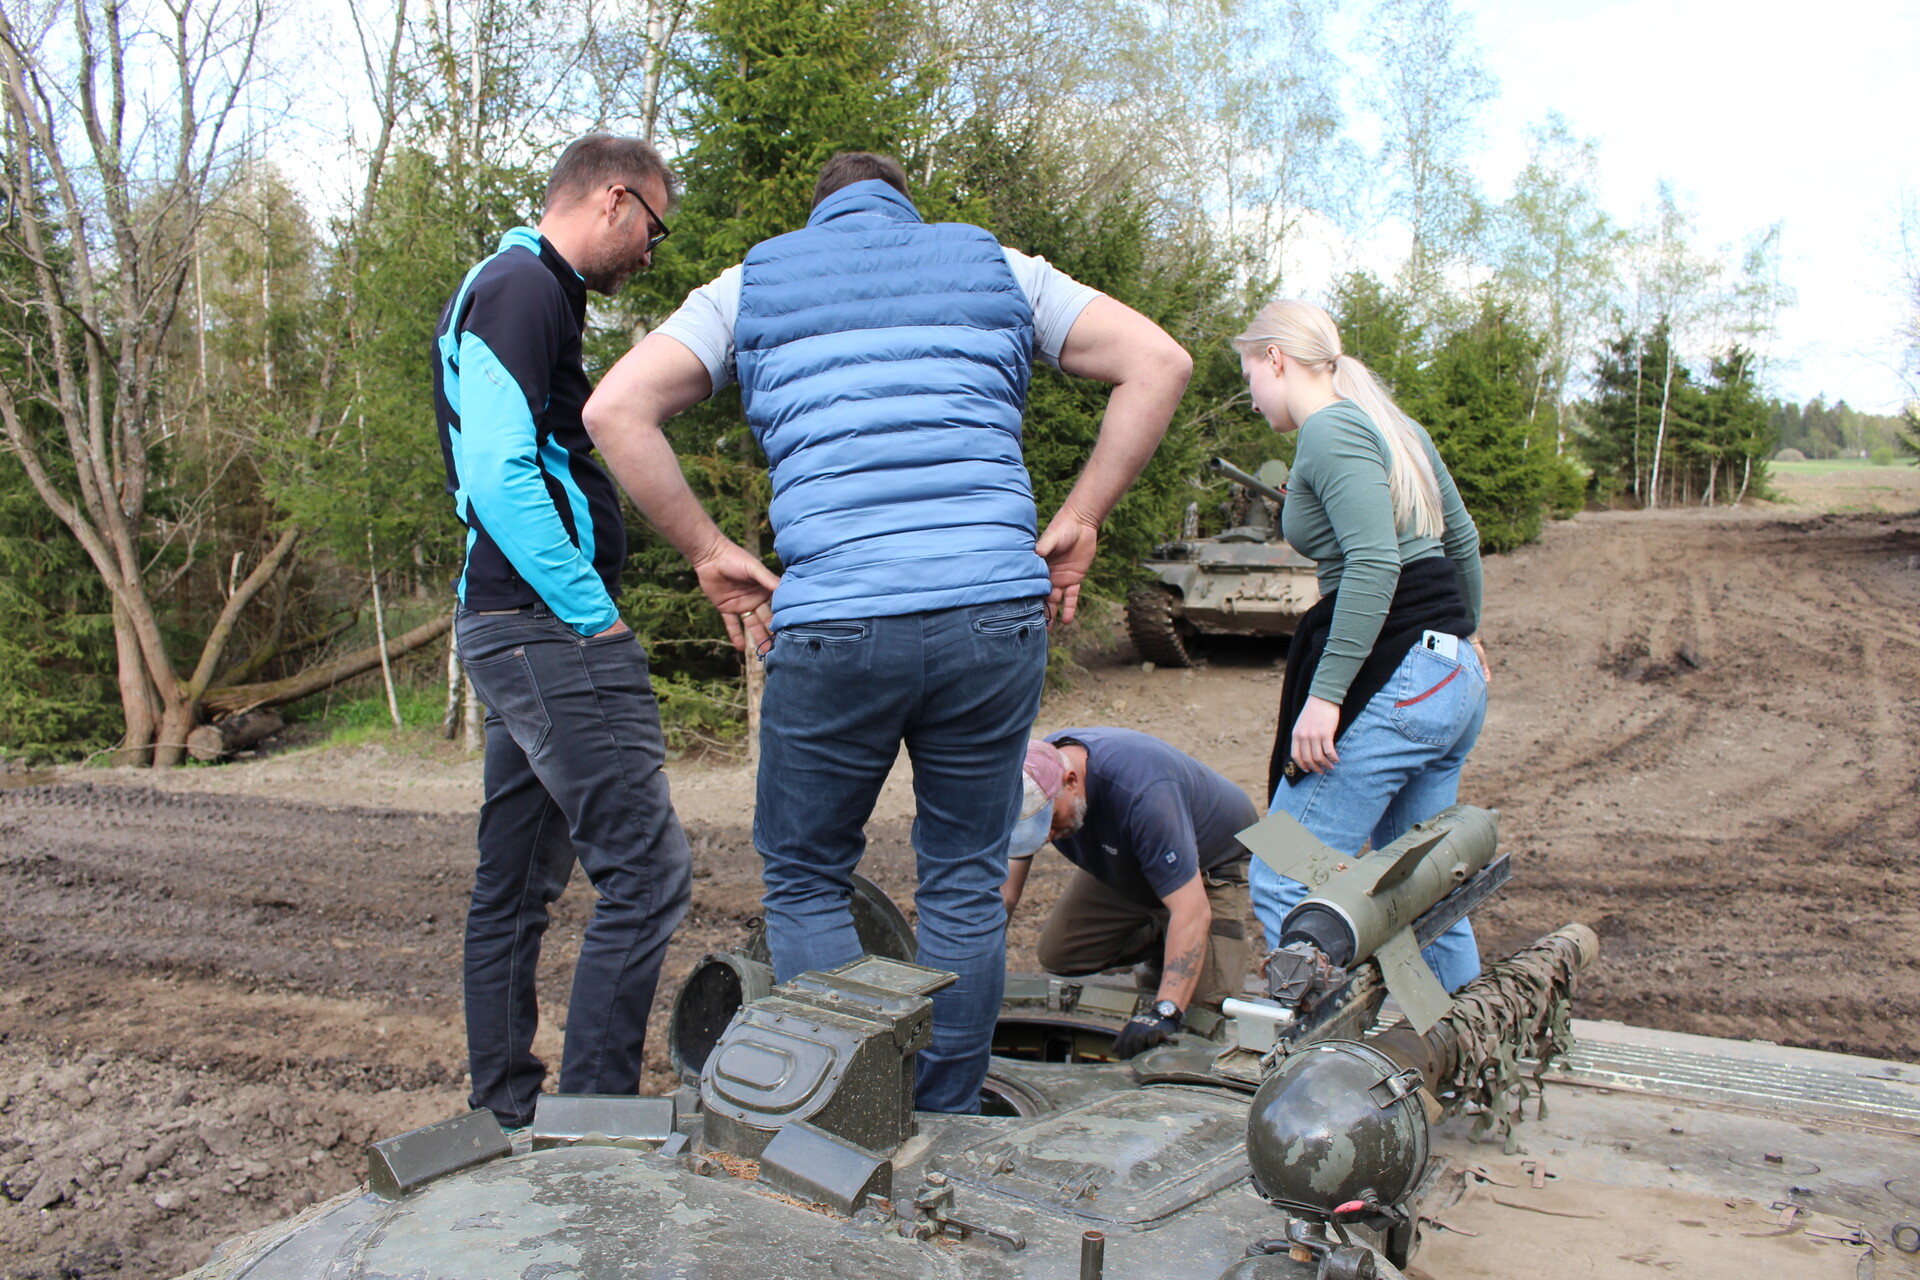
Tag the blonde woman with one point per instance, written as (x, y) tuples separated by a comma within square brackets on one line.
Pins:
[(1386, 682)]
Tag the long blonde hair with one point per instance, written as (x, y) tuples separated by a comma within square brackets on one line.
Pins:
[(1308, 334)]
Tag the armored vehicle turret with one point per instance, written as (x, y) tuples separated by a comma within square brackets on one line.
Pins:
[(1245, 581)]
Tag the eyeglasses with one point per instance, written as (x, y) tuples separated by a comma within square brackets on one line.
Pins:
[(654, 239)]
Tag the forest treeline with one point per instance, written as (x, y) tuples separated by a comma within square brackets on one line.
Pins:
[(221, 488), (1838, 430)]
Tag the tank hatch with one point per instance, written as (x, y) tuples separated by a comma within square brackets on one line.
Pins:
[(880, 924), (832, 1047), (1128, 1158)]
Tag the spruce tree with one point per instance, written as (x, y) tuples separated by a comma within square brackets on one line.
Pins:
[(1475, 402), (1472, 388), (776, 90)]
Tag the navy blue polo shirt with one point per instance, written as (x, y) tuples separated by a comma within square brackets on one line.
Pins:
[(1156, 817)]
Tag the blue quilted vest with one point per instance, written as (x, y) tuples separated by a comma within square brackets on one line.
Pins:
[(883, 364)]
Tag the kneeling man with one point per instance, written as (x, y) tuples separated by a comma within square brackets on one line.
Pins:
[(1160, 881)]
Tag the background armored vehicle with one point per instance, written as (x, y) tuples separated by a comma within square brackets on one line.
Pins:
[(1303, 1137), (1245, 582)]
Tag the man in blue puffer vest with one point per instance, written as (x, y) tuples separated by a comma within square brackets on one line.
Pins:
[(883, 364)]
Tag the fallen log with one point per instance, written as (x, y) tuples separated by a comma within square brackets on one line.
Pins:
[(244, 671), (275, 693), (212, 742)]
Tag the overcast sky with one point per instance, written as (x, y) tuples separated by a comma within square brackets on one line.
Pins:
[(1758, 112)]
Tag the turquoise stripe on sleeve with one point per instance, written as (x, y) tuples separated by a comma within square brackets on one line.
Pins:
[(473, 536), (558, 463), (505, 485)]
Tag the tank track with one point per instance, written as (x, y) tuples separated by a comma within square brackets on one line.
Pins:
[(1151, 625)]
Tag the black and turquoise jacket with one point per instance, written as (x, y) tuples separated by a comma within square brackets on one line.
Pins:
[(543, 520)]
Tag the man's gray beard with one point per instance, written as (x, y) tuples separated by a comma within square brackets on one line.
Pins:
[(1079, 804)]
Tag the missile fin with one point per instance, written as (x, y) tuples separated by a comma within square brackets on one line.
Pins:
[(1408, 859), (1290, 849), (1411, 982)]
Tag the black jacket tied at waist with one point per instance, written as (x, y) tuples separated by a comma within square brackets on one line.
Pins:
[(1426, 599)]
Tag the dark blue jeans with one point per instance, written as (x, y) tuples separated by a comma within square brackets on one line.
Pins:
[(960, 687), (573, 769)]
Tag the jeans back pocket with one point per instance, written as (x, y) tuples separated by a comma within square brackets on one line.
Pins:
[(507, 688), (818, 635), (1433, 697), (1017, 620)]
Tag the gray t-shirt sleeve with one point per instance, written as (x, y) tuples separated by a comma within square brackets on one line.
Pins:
[(704, 322), (1057, 300)]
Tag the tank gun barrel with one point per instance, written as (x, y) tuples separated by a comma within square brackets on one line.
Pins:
[(1246, 481), (1517, 1009)]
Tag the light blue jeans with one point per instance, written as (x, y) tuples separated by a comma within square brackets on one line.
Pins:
[(1399, 764)]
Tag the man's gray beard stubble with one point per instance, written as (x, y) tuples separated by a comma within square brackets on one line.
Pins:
[(1079, 815)]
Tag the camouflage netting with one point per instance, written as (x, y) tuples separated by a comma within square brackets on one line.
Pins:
[(1519, 1009)]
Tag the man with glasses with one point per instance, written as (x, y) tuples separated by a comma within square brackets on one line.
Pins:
[(883, 364), (574, 750)]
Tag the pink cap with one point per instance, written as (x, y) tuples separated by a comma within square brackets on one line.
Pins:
[(1046, 768)]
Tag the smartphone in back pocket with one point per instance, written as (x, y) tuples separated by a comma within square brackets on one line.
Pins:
[(1441, 643)]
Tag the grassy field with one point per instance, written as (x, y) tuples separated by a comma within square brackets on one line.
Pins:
[(1845, 484), (1829, 466)]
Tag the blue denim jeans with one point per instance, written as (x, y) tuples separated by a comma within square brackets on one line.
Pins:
[(960, 687), (1400, 763), (573, 769)]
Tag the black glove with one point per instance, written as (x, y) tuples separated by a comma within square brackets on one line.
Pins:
[(1145, 1030)]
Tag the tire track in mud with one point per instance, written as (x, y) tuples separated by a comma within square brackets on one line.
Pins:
[(1727, 787), (209, 1003)]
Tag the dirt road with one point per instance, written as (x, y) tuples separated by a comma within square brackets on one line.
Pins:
[(218, 984)]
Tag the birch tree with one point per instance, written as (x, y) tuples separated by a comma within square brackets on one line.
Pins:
[(1558, 253), (1428, 87), (1679, 284)]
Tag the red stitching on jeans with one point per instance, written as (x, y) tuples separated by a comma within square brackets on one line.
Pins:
[(1429, 693)]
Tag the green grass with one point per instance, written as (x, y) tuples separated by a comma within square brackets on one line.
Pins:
[(696, 715), (1822, 466), (363, 716)]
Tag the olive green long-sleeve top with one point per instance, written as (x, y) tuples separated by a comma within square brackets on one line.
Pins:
[(1339, 513)]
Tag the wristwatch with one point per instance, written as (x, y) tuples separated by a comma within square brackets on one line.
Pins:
[(1167, 1010)]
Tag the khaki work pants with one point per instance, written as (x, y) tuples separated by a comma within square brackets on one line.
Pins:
[(1095, 927)]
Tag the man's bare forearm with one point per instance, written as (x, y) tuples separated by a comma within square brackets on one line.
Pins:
[(1113, 343), (657, 379), (1016, 882), (1186, 955), (642, 460), (1137, 415)]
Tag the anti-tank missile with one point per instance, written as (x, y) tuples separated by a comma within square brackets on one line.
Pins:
[(1340, 1125), (1363, 908)]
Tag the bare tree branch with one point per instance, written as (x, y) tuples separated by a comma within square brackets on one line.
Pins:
[(216, 642)]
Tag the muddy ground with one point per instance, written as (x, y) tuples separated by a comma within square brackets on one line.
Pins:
[(217, 985)]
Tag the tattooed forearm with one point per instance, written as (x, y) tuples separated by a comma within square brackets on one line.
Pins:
[(1187, 964), (1188, 921)]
